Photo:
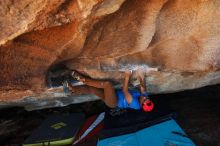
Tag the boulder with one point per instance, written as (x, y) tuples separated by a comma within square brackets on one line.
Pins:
[(174, 43)]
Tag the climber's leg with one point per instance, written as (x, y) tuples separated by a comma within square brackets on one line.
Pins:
[(86, 90), (103, 89)]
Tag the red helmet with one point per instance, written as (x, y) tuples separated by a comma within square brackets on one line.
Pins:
[(148, 105)]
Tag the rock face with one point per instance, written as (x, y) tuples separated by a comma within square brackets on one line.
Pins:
[(181, 39)]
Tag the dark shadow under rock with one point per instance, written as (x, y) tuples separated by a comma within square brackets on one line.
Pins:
[(198, 113)]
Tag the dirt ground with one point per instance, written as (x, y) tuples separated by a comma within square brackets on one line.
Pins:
[(198, 113)]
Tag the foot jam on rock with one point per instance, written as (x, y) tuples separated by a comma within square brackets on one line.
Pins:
[(77, 76)]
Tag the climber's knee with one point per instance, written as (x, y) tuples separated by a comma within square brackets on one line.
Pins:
[(106, 84)]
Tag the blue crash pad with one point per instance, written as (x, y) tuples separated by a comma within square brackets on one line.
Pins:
[(167, 133)]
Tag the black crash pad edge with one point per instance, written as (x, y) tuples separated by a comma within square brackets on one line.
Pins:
[(134, 128)]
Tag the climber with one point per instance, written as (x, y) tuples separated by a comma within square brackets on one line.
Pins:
[(122, 98)]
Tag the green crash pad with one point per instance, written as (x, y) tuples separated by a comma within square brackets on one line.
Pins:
[(56, 130)]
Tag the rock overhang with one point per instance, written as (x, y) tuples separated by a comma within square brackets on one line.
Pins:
[(101, 37)]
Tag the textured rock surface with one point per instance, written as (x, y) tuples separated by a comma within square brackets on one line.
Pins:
[(180, 38), (101, 37)]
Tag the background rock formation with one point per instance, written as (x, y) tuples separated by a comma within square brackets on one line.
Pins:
[(100, 37)]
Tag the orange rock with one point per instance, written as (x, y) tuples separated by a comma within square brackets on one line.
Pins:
[(180, 39)]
